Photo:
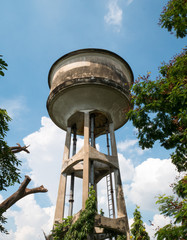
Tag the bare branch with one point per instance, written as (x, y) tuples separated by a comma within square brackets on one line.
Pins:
[(35, 190), (20, 193), (19, 148)]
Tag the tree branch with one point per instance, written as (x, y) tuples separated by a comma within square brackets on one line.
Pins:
[(35, 190), (19, 148), (20, 193)]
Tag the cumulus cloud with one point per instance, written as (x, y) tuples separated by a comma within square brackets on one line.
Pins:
[(46, 154), (151, 178), (130, 146), (122, 146), (45, 158), (126, 168), (30, 220), (114, 14)]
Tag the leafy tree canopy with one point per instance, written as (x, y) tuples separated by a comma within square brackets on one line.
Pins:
[(160, 111), (175, 207), (137, 228), (9, 172), (173, 17)]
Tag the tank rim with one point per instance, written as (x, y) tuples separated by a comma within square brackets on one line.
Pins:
[(87, 50), (55, 94)]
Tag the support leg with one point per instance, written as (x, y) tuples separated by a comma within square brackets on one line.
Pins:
[(86, 161), (60, 204), (120, 200)]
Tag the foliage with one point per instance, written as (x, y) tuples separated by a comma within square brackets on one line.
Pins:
[(160, 111), (67, 230), (121, 237), (101, 212), (173, 17), (9, 172), (82, 227), (169, 232), (138, 229), (161, 114), (3, 66), (2, 221), (177, 209), (181, 187)]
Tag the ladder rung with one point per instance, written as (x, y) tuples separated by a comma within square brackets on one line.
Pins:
[(109, 194)]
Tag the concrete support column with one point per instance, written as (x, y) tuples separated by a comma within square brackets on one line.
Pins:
[(120, 200), (86, 161), (60, 204)]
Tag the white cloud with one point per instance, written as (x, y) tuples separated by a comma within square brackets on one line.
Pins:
[(122, 146), (151, 178), (126, 168), (30, 220), (114, 15), (130, 146), (45, 158)]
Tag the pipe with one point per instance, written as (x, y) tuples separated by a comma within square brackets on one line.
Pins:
[(71, 197), (92, 123)]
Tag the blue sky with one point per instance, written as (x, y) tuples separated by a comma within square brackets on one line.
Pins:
[(34, 34)]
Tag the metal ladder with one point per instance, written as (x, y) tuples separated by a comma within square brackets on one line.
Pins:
[(109, 196)]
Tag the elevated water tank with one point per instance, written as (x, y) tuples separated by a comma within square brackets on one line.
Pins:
[(89, 79)]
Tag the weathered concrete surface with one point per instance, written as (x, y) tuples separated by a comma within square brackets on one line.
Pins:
[(86, 169), (102, 163), (108, 161), (85, 83), (59, 211), (117, 224), (120, 200), (82, 79), (89, 63)]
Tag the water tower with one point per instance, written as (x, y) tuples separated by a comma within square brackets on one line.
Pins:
[(89, 96)]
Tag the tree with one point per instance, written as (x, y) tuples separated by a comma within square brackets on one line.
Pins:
[(175, 207), (160, 111), (173, 17), (137, 228), (9, 164)]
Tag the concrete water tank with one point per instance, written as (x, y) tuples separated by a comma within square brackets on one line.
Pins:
[(89, 79)]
